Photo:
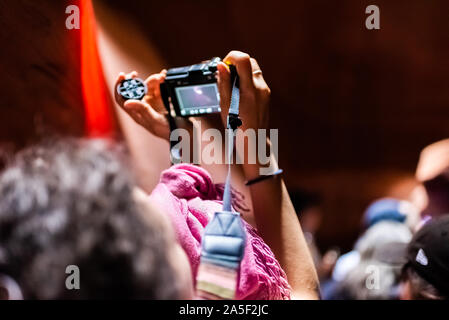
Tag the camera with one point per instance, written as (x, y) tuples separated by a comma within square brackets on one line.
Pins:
[(192, 90)]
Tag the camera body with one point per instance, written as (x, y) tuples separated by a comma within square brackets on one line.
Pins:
[(192, 90)]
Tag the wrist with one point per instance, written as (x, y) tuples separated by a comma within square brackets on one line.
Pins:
[(265, 166)]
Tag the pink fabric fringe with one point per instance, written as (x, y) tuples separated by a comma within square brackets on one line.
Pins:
[(188, 196)]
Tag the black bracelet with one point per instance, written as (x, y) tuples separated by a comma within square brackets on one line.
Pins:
[(264, 177)]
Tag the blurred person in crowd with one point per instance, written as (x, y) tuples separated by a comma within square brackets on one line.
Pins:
[(74, 203), (420, 279), (309, 212), (384, 209), (384, 222), (307, 207), (433, 174), (370, 280), (365, 262), (425, 275), (273, 211), (380, 234)]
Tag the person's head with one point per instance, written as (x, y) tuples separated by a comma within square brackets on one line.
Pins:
[(372, 270), (433, 173), (369, 280), (426, 272), (72, 206), (386, 209), (380, 234)]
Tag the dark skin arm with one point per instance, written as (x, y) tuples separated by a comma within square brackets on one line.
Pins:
[(273, 210)]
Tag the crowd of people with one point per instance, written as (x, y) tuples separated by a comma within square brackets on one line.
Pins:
[(75, 202), (403, 249)]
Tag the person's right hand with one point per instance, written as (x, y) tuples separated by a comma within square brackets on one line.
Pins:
[(149, 112)]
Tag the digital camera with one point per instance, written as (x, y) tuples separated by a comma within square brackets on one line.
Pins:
[(192, 90)]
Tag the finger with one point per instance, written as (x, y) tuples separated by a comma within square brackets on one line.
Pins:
[(121, 77), (142, 109), (153, 96), (242, 63), (258, 78), (254, 64), (132, 75), (147, 117), (257, 72), (224, 88)]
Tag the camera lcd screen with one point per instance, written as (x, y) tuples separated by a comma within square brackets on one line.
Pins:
[(198, 99)]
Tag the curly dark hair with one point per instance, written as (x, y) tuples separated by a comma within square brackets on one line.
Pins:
[(70, 202)]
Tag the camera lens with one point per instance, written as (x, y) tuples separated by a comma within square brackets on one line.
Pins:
[(134, 89)]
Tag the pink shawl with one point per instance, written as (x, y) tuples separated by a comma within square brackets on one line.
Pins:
[(188, 196)]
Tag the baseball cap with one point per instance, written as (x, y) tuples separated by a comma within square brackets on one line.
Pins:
[(385, 209), (428, 253)]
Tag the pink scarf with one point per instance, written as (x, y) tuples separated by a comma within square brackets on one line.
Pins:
[(188, 196)]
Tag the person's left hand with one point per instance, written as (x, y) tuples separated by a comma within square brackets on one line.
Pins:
[(149, 112)]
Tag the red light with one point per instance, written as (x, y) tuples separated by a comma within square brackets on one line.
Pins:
[(97, 106)]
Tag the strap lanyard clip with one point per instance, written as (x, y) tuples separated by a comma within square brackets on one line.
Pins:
[(233, 116), (234, 121)]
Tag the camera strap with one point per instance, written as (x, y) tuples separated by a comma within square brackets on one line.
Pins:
[(223, 241), (233, 122)]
